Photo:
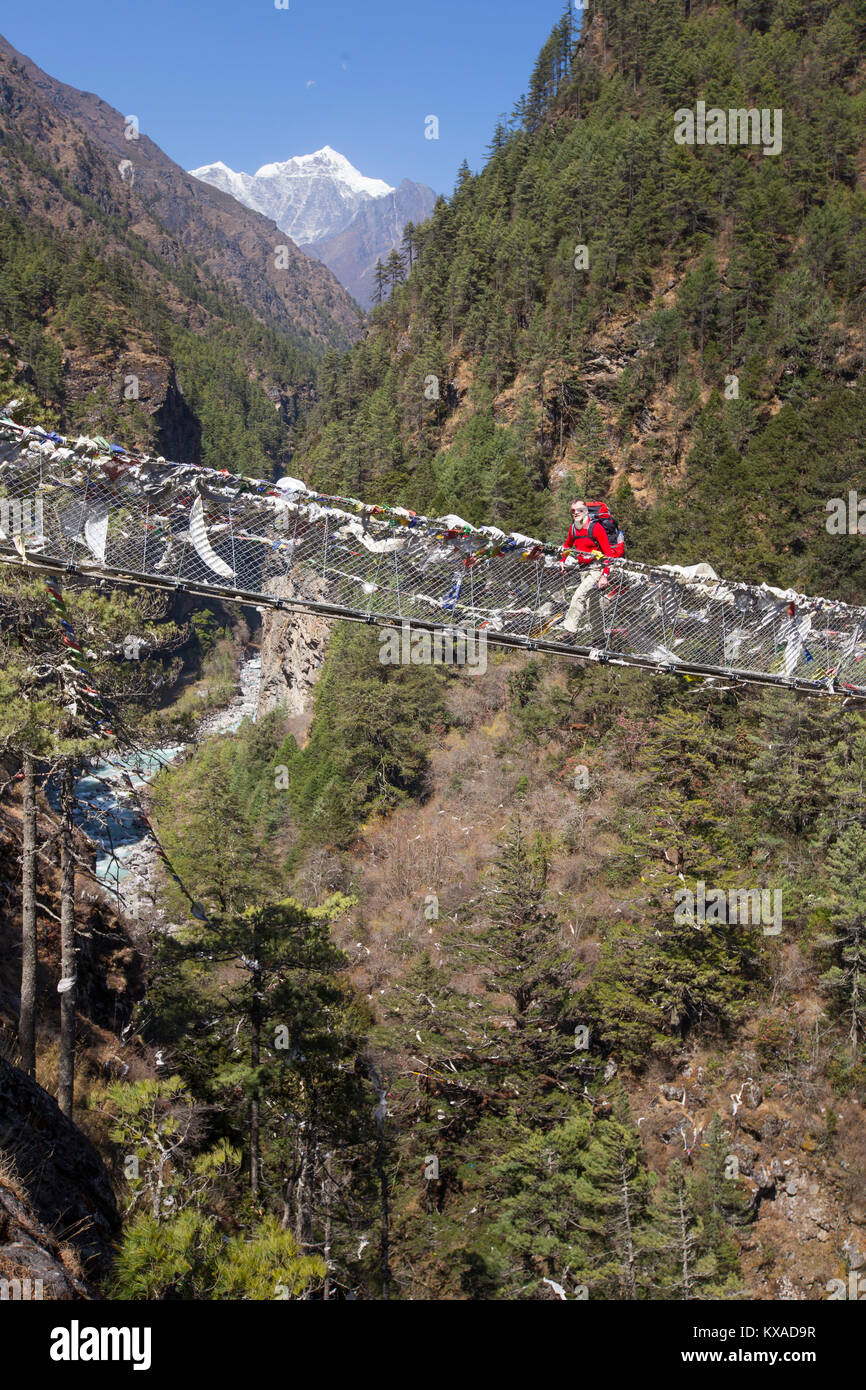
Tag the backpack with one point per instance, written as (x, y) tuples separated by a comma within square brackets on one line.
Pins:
[(598, 512)]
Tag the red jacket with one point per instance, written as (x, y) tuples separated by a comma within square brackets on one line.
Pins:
[(588, 542)]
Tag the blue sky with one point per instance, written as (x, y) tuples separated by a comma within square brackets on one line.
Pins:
[(245, 82)]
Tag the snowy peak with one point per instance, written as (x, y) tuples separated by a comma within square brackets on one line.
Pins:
[(326, 164), (221, 176), (309, 196), (329, 207)]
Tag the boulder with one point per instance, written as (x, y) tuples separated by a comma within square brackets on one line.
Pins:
[(752, 1095)]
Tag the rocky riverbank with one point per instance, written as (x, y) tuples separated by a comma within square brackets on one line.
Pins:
[(134, 883)]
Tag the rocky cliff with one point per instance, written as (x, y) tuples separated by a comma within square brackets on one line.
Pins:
[(293, 649), (58, 1216), (375, 230)]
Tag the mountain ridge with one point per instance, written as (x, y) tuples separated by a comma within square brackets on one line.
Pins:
[(284, 190), (238, 246), (376, 229), (331, 210), (162, 310)]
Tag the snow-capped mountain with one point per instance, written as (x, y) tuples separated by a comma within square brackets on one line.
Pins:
[(309, 196), (327, 206)]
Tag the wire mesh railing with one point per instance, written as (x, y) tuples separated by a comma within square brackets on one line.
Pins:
[(89, 506)]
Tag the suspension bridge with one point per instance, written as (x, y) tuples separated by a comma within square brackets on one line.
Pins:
[(87, 507)]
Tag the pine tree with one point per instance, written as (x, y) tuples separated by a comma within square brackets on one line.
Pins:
[(788, 774), (223, 859), (522, 956), (464, 176), (395, 269), (616, 1167), (369, 741), (380, 281), (481, 1068), (845, 981), (682, 821), (684, 1268), (692, 1245), (846, 774), (53, 715), (574, 1206), (275, 1043), (657, 981), (409, 245), (591, 438)]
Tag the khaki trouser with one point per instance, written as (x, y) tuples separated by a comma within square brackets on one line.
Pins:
[(586, 593)]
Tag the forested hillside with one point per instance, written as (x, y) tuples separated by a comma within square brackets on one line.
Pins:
[(428, 1021), (138, 302), (705, 264), (576, 1086)]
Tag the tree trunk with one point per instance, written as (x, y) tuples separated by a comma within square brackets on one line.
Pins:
[(630, 1252), (255, 1057), (29, 958), (304, 1188), (382, 1173), (685, 1245), (384, 1268), (326, 1203), (857, 956), (254, 1144), (68, 965)]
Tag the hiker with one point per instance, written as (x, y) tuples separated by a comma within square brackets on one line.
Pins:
[(589, 538)]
